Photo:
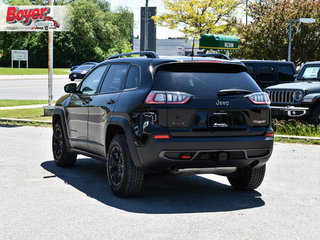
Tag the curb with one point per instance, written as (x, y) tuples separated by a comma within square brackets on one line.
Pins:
[(18, 120), (297, 137)]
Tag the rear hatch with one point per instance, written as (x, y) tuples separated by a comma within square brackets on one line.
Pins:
[(210, 99)]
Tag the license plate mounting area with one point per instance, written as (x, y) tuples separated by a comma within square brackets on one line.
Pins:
[(219, 120)]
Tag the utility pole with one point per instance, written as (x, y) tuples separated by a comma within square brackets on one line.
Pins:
[(290, 36), (48, 110), (50, 61), (246, 12), (146, 13)]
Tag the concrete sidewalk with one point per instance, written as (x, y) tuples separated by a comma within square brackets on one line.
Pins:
[(23, 106), (32, 77)]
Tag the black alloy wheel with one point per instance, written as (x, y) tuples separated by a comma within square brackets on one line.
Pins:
[(115, 166), (61, 156), (57, 142), (124, 178)]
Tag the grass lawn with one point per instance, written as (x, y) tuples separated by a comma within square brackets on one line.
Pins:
[(27, 113), (32, 71), (295, 127), (301, 141), (16, 102), (31, 124)]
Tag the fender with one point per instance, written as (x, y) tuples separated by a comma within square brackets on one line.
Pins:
[(311, 98), (124, 123), (60, 112)]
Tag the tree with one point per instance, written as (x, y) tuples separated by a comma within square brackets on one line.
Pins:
[(266, 36), (198, 17)]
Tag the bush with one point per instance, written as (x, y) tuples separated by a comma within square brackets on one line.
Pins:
[(295, 127)]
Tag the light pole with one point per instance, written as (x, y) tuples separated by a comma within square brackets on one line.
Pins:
[(48, 110), (146, 15), (300, 20), (246, 12)]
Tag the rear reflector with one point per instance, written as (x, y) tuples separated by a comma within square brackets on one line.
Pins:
[(185, 157), (165, 136), (167, 97), (270, 134)]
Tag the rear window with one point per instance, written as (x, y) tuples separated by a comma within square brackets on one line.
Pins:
[(265, 73), (203, 84)]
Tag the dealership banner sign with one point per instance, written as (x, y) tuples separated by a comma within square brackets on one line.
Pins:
[(34, 18)]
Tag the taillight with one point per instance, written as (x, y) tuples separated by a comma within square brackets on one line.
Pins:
[(270, 134), (167, 97), (259, 98)]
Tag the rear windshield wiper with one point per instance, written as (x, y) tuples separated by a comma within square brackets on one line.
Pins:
[(228, 92)]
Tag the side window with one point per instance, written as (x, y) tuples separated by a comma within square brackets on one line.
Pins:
[(133, 78), (250, 70), (114, 79), (285, 73), (265, 73), (90, 84)]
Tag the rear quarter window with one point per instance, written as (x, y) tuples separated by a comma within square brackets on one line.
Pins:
[(133, 78)]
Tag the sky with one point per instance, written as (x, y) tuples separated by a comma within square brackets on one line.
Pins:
[(134, 6)]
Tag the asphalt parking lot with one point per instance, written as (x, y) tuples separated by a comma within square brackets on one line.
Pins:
[(24, 87), (41, 201)]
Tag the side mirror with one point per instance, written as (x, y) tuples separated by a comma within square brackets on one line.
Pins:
[(70, 88), (295, 77)]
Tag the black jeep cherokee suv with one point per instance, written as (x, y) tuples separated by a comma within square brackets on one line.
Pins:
[(156, 115)]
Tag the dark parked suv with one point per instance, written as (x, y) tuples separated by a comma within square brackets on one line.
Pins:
[(157, 115), (268, 73)]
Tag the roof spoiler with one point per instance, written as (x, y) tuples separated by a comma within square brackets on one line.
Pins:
[(148, 54)]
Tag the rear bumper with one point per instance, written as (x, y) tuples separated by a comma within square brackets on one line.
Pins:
[(159, 155), (289, 111)]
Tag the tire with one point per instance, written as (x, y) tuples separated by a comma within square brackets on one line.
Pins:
[(61, 156), (124, 178), (314, 116), (248, 178)]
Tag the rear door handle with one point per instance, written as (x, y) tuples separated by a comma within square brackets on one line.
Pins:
[(111, 101)]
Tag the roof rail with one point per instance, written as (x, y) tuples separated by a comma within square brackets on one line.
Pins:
[(148, 54)]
